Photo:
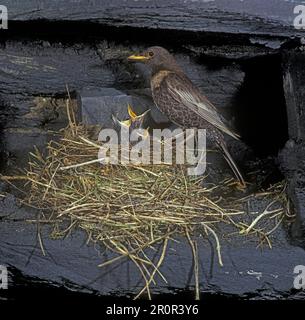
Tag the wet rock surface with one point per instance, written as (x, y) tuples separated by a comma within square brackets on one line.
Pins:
[(293, 155), (72, 264), (239, 64), (249, 17)]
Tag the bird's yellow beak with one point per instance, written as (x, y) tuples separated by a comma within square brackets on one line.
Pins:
[(131, 113), (137, 58), (125, 123), (133, 116)]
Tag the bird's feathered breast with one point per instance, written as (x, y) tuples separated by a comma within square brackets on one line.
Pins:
[(158, 78), (178, 87)]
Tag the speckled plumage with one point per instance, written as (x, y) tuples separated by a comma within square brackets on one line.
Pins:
[(173, 107), (183, 103)]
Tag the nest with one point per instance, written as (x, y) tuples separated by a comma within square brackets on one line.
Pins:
[(129, 209)]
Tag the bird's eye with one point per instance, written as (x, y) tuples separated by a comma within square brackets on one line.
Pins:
[(150, 53)]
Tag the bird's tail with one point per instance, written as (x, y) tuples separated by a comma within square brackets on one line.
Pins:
[(231, 163)]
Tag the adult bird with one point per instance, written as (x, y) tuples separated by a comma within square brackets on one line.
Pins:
[(183, 103)]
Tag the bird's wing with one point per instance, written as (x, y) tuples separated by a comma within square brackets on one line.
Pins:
[(182, 90)]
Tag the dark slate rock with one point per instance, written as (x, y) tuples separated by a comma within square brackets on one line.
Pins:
[(292, 160), (294, 75), (32, 69), (28, 68), (18, 143), (8, 205), (71, 263), (233, 51), (292, 157), (98, 106), (256, 17)]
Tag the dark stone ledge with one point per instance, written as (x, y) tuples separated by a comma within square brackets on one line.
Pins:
[(292, 157), (30, 70), (254, 17), (72, 263)]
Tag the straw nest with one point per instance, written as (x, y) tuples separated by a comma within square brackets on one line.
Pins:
[(129, 208)]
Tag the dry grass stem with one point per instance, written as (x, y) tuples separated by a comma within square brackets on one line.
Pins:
[(131, 210)]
